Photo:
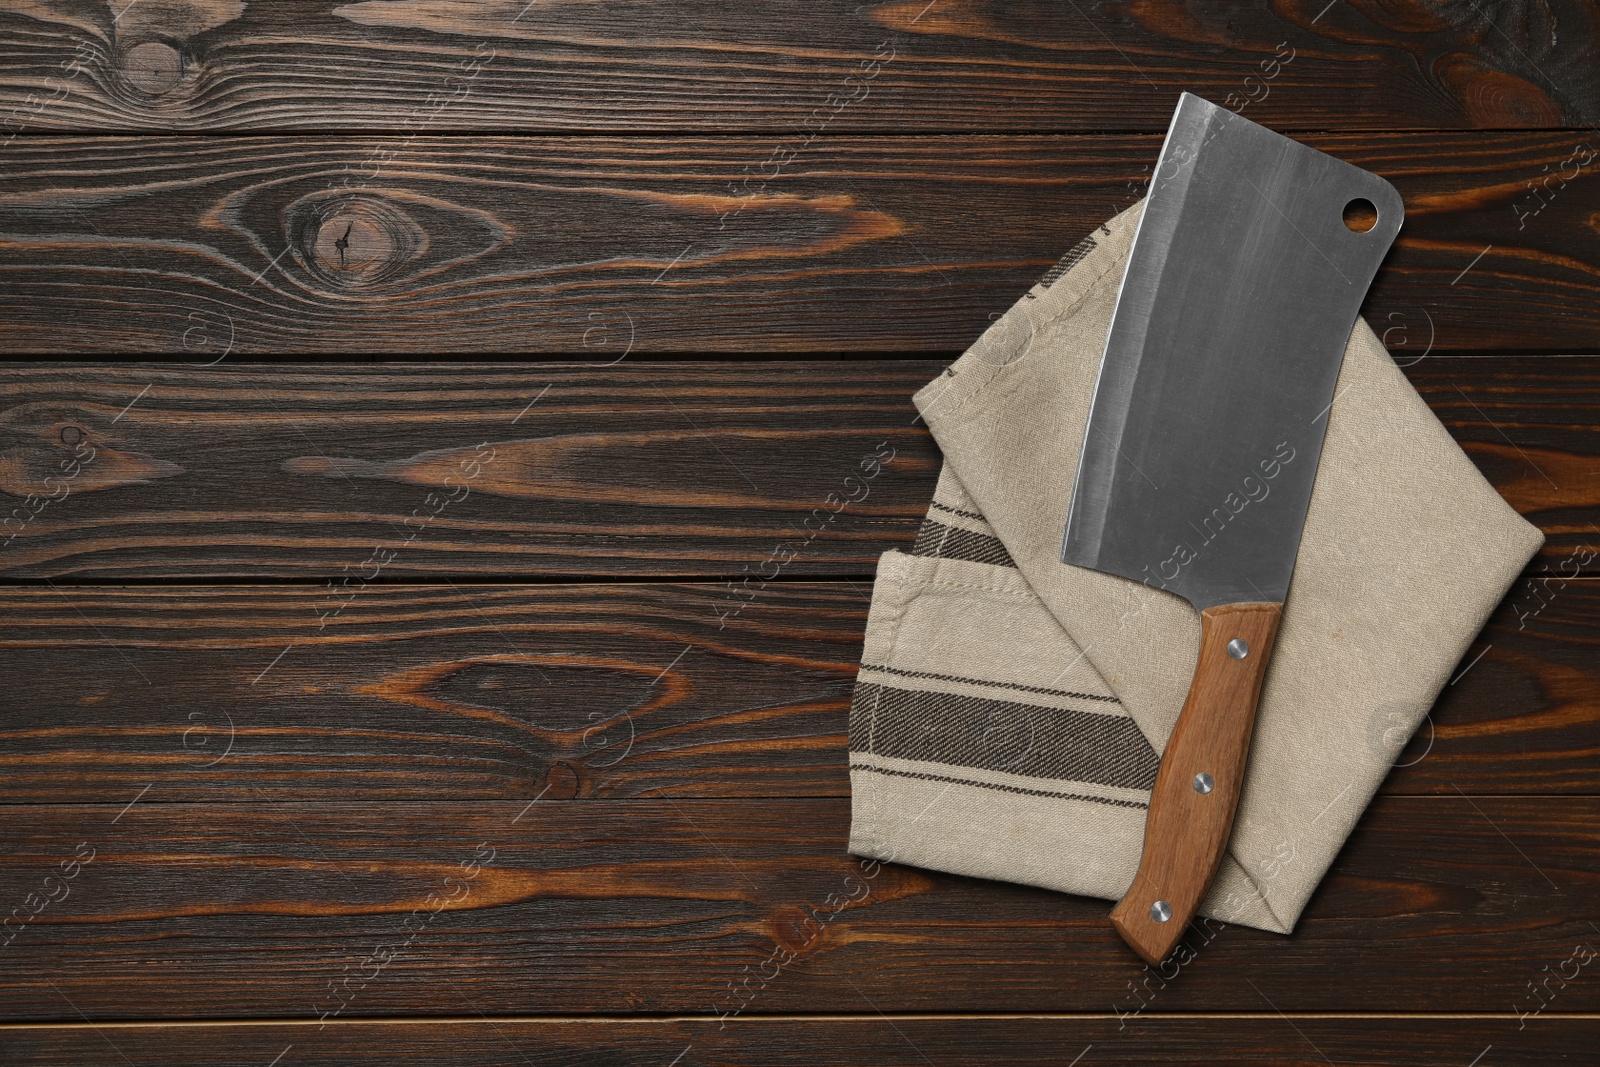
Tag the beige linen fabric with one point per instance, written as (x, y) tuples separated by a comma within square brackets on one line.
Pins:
[(1010, 708)]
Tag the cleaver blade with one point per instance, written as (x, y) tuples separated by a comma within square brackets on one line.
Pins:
[(1204, 434)]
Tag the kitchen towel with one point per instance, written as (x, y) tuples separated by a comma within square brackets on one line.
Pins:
[(1010, 709)]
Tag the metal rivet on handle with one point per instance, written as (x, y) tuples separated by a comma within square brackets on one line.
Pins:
[(1203, 782), (1161, 911), (1238, 648)]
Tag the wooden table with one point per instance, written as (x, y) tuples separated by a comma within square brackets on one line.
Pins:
[(288, 655)]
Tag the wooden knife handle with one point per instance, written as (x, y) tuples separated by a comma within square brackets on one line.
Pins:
[(1191, 818)]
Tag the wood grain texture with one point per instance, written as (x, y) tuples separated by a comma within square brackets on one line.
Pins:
[(355, 474), (611, 907), (599, 691), (605, 246), (1260, 1040), (1197, 789), (1515, 423), (1522, 712), (545, 470), (971, 65), (472, 692)]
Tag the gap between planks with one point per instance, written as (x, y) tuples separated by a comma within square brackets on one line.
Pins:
[(754, 1018)]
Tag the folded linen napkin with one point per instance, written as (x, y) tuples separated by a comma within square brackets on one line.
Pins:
[(1010, 709)]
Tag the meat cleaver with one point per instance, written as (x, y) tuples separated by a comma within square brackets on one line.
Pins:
[(1250, 262)]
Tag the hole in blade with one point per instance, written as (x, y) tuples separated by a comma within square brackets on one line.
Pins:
[(1360, 215)]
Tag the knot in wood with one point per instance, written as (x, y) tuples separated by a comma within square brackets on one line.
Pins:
[(152, 67), (358, 242)]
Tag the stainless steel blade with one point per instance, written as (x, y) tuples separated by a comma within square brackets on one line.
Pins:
[(1239, 296)]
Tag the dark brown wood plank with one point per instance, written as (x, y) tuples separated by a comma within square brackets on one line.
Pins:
[(1523, 713), (657, 469), (612, 907), (600, 246), (473, 692), (499, 64), (1517, 423), (660, 469), (591, 691), (1263, 1040)]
